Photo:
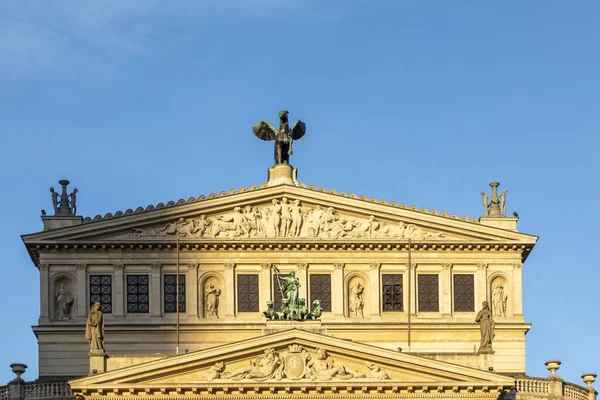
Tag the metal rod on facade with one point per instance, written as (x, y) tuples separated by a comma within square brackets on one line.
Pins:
[(177, 298), (409, 289)]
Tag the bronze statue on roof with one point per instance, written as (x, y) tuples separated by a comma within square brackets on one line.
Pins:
[(284, 136)]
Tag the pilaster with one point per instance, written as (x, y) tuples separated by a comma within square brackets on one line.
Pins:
[(118, 309), (481, 285), (82, 302), (446, 286), (517, 289), (155, 309), (44, 293), (265, 285), (413, 289), (192, 294), (303, 277), (230, 290), (337, 283), (375, 290)]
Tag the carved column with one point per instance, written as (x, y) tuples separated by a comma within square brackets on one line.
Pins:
[(44, 293), (118, 309), (230, 290), (446, 285), (155, 291), (302, 275), (481, 285), (82, 298), (192, 293), (264, 285), (517, 290), (337, 292), (375, 278)]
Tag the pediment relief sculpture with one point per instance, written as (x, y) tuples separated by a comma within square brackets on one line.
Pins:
[(294, 363), (287, 219)]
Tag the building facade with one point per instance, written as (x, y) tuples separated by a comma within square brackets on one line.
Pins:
[(183, 289)]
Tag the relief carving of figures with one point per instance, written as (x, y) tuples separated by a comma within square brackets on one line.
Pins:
[(286, 218), (499, 301), (214, 372), (64, 302), (322, 367), (265, 366), (211, 300), (356, 300), (377, 373), (94, 329), (486, 327)]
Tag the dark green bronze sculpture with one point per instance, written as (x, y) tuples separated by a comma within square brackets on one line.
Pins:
[(292, 306), (284, 136)]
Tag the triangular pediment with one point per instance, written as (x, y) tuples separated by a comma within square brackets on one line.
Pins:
[(264, 214), (294, 358)]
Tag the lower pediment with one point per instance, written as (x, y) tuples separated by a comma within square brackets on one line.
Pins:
[(293, 361)]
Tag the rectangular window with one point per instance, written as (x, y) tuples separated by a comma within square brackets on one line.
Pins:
[(320, 289), (101, 290), (247, 292), (170, 293), (137, 294), (464, 292), (428, 293), (392, 296)]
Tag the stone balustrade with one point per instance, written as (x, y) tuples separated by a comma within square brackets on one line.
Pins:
[(48, 390)]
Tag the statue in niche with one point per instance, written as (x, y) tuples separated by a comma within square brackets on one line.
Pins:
[(286, 217), (356, 300), (94, 329), (284, 136), (296, 212), (322, 367), (265, 366), (211, 300), (289, 286), (64, 302), (499, 301), (486, 327)]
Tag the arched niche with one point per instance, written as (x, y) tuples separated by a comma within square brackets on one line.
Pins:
[(357, 295), (63, 297), (499, 295), (212, 295)]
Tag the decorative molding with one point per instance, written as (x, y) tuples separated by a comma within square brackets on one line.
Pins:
[(446, 266), (482, 265), (44, 267), (118, 266), (155, 267), (302, 266), (229, 266), (518, 265), (192, 266), (81, 267), (339, 265), (264, 266), (375, 265)]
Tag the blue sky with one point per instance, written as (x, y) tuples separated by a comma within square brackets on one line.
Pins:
[(421, 102)]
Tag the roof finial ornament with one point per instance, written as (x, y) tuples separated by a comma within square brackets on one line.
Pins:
[(494, 206), (64, 204), (284, 136)]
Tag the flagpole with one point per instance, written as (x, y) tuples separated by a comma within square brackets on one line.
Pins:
[(177, 298)]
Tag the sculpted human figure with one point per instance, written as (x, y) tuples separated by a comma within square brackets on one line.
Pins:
[(283, 137), (485, 199), (94, 329), (499, 301), (55, 200), (286, 217), (296, 212), (234, 225), (289, 286), (323, 367), (276, 216), (502, 201), (64, 301), (486, 327), (356, 300), (73, 201), (267, 365), (211, 300)]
